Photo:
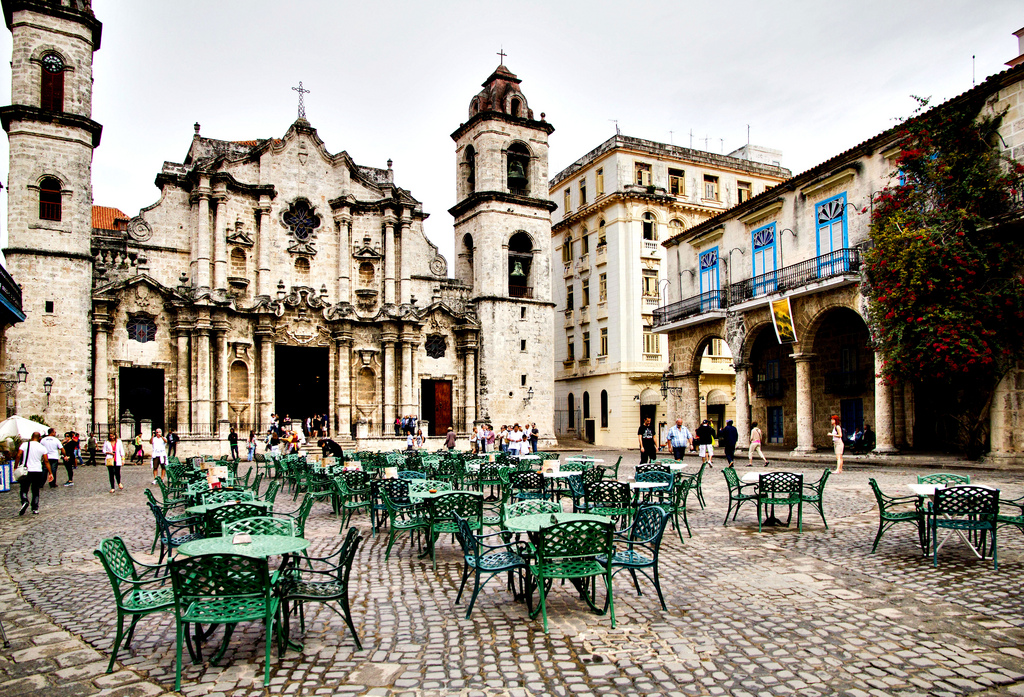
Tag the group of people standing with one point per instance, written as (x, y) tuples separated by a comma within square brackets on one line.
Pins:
[(405, 425), (514, 439), (702, 441)]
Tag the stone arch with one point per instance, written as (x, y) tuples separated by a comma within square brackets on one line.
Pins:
[(518, 158), (812, 325), (520, 264), (699, 346), (750, 338), (649, 225)]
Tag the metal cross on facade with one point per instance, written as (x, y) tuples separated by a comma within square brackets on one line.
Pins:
[(302, 104), (502, 54)]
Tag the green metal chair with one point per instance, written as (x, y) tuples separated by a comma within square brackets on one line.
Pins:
[(661, 495), (139, 589), (643, 545), (398, 490), (814, 494), (442, 510), (608, 498), (222, 589), (483, 558), (261, 525), (698, 484), (270, 495), (651, 467), (530, 507), (353, 494), (1013, 514), (571, 551), (526, 485), (183, 520), (964, 508), (739, 493), (411, 518), (614, 469), (171, 535), (214, 519), (781, 489), (222, 495), (411, 474), (325, 581), (944, 478), (893, 510), (677, 505)]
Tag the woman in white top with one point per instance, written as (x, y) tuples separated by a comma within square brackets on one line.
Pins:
[(159, 455), (755, 444), (837, 443), (113, 457)]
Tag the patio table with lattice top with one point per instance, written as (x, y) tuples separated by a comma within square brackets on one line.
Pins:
[(262, 546)]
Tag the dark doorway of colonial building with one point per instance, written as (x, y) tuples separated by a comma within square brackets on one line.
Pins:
[(141, 392), (436, 405), (301, 381)]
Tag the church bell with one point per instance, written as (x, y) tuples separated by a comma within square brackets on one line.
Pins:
[(518, 269)]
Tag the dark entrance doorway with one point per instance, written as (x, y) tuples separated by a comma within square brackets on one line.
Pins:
[(141, 391), (436, 405), (301, 381)]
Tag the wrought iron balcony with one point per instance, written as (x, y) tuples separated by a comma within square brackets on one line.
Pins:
[(845, 381), (698, 304), (770, 389), (837, 263), (520, 292)]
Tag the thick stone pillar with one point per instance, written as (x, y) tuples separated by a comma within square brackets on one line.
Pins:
[(100, 381), (202, 273), (689, 406), (405, 262), (899, 419), (266, 339), (220, 338), (884, 428), (263, 250), (220, 244), (908, 413), (201, 340), (469, 380), (342, 392), (407, 376), (183, 380), (389, 260), (389, 381), (804, 404), (742, 406), (344, 257)]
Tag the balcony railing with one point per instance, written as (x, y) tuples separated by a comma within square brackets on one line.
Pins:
[(845, 381), (698, 304), (837, 263), (770, 389), (9, 289), (520, 292)]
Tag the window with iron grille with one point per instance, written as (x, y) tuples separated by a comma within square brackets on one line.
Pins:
[(437, 345), (141, 329)]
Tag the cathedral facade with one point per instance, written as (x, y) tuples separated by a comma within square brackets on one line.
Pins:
[(272, 275)]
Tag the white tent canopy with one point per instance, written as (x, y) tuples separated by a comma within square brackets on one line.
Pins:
[(20, 426)]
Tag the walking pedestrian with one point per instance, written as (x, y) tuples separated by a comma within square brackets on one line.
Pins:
[(534, 437), (755, 444), (679, 438), (113, 457), (729, 437), (139, 452), (33, 455), (159, 455), (648, 448), (449, 440), (233, 442), (53, 449), (68, 457), (250, 446), (78, 448), (91, 448), (172, 443), (837, 443), (706, 434)]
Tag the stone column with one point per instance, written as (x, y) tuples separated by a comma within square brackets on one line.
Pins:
[(332, 381), (804, 404), (742, 406), (406, 400), (342, 393), (202, 277), (389, 380), (183, 379), (908, 413), (266, 339), (469, 380), (1000, 418), (344, 256), (263, 250), (100, 400), (201, 338), (899, 418), (405, 261), (220, 337), (689, 407), (389, 260), (884, 428), (220, 245)]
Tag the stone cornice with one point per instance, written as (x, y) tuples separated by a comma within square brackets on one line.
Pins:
[(55, 10), (22, 112), (478, 197), (499, 116)]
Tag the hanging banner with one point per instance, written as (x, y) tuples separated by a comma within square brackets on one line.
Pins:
[(782, 320)]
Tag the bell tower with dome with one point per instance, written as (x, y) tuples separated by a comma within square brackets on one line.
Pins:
[(502, 249)]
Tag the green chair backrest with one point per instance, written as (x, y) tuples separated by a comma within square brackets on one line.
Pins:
[(575, 539), (529, 507), (944, 478), (260, 525), (222, 495)]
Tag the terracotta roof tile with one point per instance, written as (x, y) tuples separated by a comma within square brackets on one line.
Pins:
[(105, 217)]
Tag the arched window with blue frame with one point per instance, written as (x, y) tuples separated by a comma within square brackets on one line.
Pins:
[(830, 222), (709, 295), (763, 244)]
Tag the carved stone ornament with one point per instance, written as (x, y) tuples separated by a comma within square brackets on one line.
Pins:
[(139, 229), (438, 266), (437, 345)]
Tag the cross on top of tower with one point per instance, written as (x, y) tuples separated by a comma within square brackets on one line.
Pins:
[(500, 53), (302, 104)]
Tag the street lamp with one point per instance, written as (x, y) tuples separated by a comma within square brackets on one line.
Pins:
[(47, 388), (529, 395), (662, 285), (21, 375), (667, 390)]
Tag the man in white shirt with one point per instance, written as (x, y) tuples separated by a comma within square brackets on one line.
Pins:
[(53, 446), (33, 455), (680, 438), (160, 455)]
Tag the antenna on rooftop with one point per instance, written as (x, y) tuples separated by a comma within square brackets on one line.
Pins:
[(670, 137), (616, 122), (972, 72), (691, 139), (721, 147), (748, 134)]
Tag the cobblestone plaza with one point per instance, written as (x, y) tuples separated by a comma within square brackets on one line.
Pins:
[(750, 613)]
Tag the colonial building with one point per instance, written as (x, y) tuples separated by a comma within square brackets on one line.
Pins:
[(272, 275), (803, 240), (613, 207)]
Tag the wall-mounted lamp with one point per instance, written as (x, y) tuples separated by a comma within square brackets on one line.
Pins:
[(47, 388), (667, 390), (636, 398), (21, 375), (529, 395)]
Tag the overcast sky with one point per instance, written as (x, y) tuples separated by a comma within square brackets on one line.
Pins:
[(394, 79)]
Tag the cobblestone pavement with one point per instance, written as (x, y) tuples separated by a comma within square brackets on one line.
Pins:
[(771, 613)]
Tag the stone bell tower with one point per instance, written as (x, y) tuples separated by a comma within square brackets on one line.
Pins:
[(502, 248), (49, 212)]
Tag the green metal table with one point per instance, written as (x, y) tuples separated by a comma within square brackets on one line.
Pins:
[(262, 546), (533, 523), (206, 507)]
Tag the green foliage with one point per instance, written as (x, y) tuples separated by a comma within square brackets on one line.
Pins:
[(947, 299)]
